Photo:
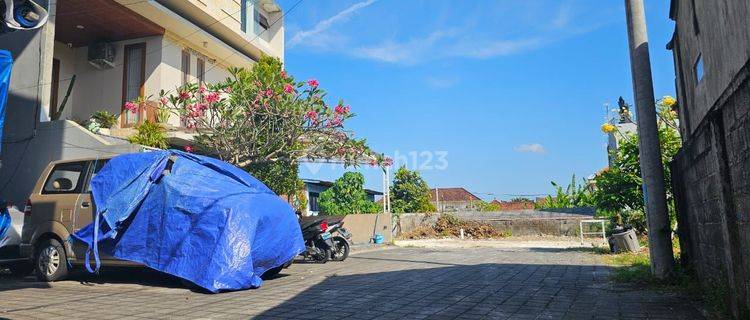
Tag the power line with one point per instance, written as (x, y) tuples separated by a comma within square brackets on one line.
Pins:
[(261, 33)]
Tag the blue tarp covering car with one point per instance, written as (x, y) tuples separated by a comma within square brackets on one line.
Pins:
[(6, 64), (191, 216)]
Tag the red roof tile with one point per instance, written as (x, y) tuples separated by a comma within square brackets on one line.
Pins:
[(453, 194)]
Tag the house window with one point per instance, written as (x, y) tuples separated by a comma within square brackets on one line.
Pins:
[(698, 69), (314, 201), (134, 75), (201, 70), (185, 67), (244, 7), (252, 20), (262, 21)]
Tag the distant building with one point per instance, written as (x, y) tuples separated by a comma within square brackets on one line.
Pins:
[(512, 205), (315, 187), (453, 199)]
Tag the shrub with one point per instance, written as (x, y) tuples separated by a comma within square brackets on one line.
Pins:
[(104, 118), (151, 135)]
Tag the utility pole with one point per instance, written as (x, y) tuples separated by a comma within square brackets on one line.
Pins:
[(652, 172), (437, 200)]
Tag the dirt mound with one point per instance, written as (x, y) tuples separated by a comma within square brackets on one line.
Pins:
[(450, 226)]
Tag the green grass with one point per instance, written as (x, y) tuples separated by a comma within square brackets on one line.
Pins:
[(635, 268)]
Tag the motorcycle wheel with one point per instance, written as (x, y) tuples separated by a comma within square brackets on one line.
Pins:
[(323, 256), (340, 249)]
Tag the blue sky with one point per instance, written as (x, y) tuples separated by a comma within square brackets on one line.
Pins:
[(510, 94)]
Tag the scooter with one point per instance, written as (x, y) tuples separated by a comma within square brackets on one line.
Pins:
[(317, 239), (341, 241)]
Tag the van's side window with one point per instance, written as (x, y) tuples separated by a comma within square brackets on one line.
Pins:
[(65, 178), (97, 166)]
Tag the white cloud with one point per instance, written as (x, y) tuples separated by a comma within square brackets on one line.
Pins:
[(443, 44), (531, 148), (498, 48), (475, 38), (564, 16), (317, 34), (408, 52)]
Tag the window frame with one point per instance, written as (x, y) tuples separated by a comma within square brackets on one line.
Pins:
[(316, 196), (699, 69), (185, 67), (90, 173), (79, 184), (125, 66)]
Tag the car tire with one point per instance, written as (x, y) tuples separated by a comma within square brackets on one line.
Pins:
[(50, 261)]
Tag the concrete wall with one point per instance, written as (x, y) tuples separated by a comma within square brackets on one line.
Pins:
[(102, 89), (363, 226), (711, 177), (518, 223), (222, 19), (711, 174), (23, 162), (717, 31)]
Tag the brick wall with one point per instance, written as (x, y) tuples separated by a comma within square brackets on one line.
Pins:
[(711, 177)]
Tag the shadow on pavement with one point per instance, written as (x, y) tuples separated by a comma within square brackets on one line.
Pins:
[(574, 249), (482, 291), (107, 275)]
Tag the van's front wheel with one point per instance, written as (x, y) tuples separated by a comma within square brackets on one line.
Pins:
[(50, 261)]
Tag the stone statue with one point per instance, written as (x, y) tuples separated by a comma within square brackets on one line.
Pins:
[(624, 111)]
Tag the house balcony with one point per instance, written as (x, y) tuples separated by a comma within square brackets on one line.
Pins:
[(107, 52)]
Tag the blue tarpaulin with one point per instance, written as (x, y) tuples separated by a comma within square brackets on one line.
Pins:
[(6, 63), (5, 223), (194, 217)]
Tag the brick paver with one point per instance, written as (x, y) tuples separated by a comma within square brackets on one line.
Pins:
[(404, 283)]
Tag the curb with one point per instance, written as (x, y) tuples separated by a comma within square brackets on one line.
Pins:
[(364, 248)]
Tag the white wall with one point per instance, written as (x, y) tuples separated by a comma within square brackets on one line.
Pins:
[(170, 69), (102, 89), (66, 56)]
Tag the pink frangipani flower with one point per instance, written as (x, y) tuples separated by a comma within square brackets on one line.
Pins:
[(312, 83), (288, 88), (184, 95), (212, 97), (131, 106)]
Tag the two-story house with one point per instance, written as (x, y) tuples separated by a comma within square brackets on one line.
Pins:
[(114, 51)]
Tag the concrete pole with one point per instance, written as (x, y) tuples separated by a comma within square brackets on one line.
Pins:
[(437, 200), (652, 172)]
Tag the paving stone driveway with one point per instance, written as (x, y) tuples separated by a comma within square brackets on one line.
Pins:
[(403, 283)]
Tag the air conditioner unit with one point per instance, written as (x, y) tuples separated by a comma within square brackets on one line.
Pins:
[(102, 55)]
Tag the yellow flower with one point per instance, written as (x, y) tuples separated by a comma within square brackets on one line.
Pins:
[(668, 101), (608, 128)]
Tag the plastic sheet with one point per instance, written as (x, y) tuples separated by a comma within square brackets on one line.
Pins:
[(194, 217)]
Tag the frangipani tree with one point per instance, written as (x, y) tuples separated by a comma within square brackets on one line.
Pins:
[(262, 115), (264, 121)]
